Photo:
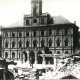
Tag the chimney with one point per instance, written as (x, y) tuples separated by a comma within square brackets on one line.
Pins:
[(75, 22)]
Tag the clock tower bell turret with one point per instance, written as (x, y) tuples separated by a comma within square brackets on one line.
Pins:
[(36, 7)]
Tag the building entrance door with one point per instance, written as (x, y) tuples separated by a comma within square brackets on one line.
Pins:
[(39, 57), (32, 57), (49, 60)]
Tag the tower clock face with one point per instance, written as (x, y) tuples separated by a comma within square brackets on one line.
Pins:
[(34, 20)]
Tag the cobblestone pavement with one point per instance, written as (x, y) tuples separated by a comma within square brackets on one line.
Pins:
[(58, 73), (73, 70)]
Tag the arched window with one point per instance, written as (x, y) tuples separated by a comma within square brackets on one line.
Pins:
[(34, 10), (6, 54), (50, 42), (27, 43), (32, 57), (13, 55), (13, 44), (58, 52), (35, 43), (58, 42), (20, 43), (66, 52), (66, 42), (42, 43), (6, 44)]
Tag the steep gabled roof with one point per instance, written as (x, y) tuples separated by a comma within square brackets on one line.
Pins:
[(57, 20), (17, 24), (60, 20)]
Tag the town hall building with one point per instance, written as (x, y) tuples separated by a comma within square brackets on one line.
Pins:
[(40, 38)]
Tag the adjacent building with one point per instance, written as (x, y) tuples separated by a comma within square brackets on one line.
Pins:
[(40, 39)]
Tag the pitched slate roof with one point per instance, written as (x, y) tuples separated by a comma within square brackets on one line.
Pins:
[(57, 20), (60, 20), (17, 24)]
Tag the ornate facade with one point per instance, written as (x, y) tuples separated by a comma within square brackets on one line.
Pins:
[(41, 39)]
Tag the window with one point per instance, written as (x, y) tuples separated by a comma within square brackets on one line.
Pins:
[(27, 43), (42, 33), (6, 44), (58, 52), (34, 33), (35, 43), (58, 42), (6, 34), (13, 55), (57, 32), (50, 32), (31, 57), (46, 50), (66, 31), (13, 44), (42, 21), (50, 52), (66, 52), (27, 33), (27, 22), (6, 55), (42, 43), (50, 42), (66, 42), (34, 10), (20, 43), (20, 34), (13, 34)]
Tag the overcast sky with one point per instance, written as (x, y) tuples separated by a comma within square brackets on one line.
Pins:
[(13, 10)]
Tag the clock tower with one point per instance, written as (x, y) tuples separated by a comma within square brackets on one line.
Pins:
[(37, 18), (36, 7)]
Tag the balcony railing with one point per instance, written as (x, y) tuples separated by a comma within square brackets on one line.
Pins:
[(29, 15)]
